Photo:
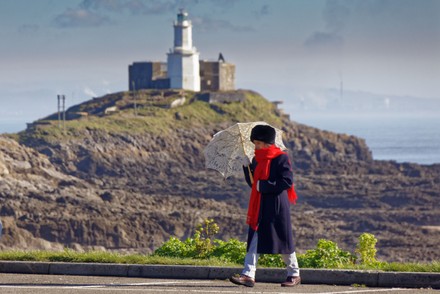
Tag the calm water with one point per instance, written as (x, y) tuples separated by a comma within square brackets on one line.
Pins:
[(11, 127), (403, 138)]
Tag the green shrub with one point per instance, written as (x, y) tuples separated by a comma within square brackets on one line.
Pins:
[(202, 238), (199, 246), (175, 248), (232, 250), (271, 260), (202, 246), (366, 249), (326, 255)]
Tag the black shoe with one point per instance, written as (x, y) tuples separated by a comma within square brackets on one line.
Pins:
[(291, 282), (242, 280)]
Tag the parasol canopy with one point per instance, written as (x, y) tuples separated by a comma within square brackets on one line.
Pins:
[(227, 148)]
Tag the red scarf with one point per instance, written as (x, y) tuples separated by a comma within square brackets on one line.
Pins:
[(262, 171)]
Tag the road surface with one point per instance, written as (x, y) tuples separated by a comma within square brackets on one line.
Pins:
[(51, 284)]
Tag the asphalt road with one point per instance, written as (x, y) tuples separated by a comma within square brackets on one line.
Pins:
[(51, 284)]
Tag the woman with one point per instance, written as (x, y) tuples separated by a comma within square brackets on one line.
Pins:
[(270, 228)]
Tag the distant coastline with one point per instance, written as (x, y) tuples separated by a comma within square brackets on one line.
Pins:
[(401, 137)]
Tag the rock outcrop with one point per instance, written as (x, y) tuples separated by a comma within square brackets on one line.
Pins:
[(132, 179)]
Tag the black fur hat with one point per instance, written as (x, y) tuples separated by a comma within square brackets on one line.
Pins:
[(263, 133)]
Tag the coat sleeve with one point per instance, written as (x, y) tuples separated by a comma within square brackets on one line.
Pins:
[(281, 176), (246, 169)]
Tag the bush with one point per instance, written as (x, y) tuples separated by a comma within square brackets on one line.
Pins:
[(367, 249), (175, 248), (271, 260), (202, 238), (200, 246), (326, 255), (232, 250)]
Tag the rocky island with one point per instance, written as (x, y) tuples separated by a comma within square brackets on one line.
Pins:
[(126, 171)]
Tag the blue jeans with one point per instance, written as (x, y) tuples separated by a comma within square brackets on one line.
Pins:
[(251, 259)]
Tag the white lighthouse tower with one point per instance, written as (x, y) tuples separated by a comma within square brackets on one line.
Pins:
[(183, 59)]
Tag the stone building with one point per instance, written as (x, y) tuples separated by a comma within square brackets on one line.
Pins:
[(148, 75), (217, 75), (183, 69)]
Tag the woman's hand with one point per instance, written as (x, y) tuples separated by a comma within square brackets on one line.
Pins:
[(245, 160)]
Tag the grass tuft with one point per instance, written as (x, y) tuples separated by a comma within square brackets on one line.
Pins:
[(69, 255)]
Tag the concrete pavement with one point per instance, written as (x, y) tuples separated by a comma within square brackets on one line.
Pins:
[(65, 284), (266, 275)]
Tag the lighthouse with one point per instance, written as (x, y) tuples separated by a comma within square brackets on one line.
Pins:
[(183, 69)]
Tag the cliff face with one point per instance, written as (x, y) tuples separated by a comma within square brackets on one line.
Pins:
[(131, 179), (43, 208)]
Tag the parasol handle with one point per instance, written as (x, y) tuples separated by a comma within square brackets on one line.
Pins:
[(250, 174), (249, 166)]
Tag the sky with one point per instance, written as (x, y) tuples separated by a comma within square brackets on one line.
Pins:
[(82, 48)]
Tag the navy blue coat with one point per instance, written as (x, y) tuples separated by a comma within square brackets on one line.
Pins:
[(275, 228)]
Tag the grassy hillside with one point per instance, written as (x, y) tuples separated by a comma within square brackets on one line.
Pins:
[(151, 114)]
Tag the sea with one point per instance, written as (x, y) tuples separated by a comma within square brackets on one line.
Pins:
[(11, 127), (400, 137), (406, 137)]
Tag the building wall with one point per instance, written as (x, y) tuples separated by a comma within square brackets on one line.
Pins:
[(146, 75), (214, 75), (183, 71), (209, 75), (226, 77), (217, 76), (222, 97), (174, 65), (183, 36), (191, 72)]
